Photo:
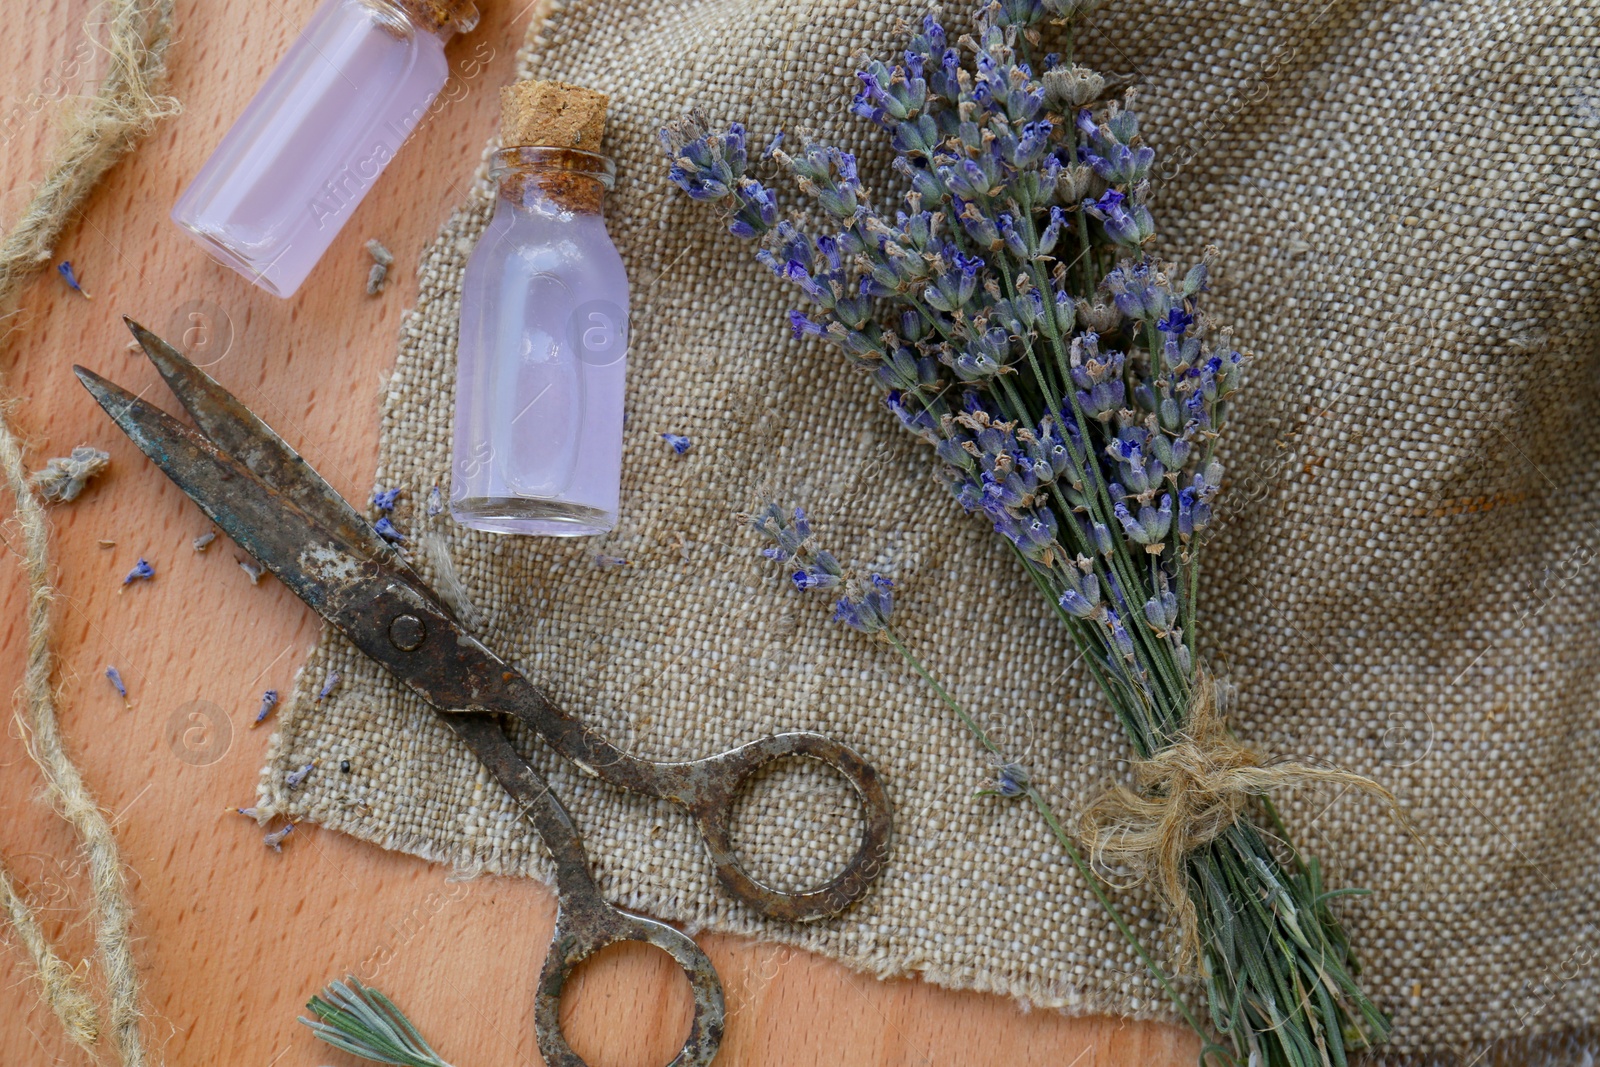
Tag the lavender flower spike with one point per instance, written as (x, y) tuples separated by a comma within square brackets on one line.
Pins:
[(142, 571)]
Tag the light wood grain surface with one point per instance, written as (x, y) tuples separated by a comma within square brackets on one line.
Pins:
[(232, 938)]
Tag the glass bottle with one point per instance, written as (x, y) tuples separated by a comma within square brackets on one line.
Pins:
[(284, 179), (541, 356)]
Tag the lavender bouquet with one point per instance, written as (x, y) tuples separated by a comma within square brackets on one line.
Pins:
[(1017, 321)]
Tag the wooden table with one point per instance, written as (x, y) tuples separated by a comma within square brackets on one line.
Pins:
[(233, 938)]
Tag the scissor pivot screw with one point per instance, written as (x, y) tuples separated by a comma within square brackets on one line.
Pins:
[(407, 632)]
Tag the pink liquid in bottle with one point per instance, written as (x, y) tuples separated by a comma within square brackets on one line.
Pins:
[(331, 116), (542, 352)]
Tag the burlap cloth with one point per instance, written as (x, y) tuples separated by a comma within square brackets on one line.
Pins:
[(1402, 583)]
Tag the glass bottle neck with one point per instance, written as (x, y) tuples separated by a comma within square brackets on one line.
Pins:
[(553, 179), (442, 18)]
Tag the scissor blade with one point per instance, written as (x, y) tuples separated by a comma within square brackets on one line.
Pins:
[(258, 518), (240, 433), (237, 431), (362, 596)]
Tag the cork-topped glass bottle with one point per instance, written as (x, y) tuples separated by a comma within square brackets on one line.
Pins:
[(330, 117), (541, 357)]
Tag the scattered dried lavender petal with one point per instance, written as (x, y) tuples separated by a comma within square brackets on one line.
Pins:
[(435, 502), (610, 561), (680, 444), (329, 684), (116, 681), (64, 477), (141, 570), (248, 812), (250, 567), (294, 778), (383, 499), (379, 253), (269, 700), (203, 542), (386, 530), (274, 840), (66, 271)]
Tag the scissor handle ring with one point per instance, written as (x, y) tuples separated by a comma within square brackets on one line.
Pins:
[(716, 781), (582, 932)]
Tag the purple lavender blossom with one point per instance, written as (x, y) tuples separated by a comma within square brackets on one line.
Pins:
[(269, 700), (64, 268), (142, 571)]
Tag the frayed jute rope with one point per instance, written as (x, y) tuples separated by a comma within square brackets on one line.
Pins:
[(124, 108), (1187, 795), (61, 988)]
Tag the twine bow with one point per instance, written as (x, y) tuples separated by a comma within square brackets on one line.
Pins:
[(1188, 794)]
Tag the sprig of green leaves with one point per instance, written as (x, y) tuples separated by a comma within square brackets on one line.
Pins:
[(360, 1020)]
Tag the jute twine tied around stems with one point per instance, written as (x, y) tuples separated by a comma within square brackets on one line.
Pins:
[(1189, 793), (127, 104)]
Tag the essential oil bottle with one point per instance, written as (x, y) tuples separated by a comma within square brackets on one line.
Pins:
[(284, 179), (544, 330)]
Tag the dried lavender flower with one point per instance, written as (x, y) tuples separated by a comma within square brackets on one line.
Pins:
[(294, 778), (269, 700), (142, 571), (1071, 87), (329, 684), (64, 477), (64, 268), (1010, 780), (274, 840), (435, 502), (386, 530), (864, 604), (252, 569), (203, 542), (384, 499), (678, 442), (116, 682)]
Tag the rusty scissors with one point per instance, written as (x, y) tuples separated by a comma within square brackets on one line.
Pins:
[(264, 496)]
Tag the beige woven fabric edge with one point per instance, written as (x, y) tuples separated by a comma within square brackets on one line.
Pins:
[(1402, 583)]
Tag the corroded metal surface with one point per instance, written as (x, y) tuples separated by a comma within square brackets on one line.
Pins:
[(261, 493)]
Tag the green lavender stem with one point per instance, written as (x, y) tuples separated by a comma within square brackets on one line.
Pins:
[(1062, 837)]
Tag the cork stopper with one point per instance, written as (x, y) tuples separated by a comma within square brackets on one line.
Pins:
[(553, 115)]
